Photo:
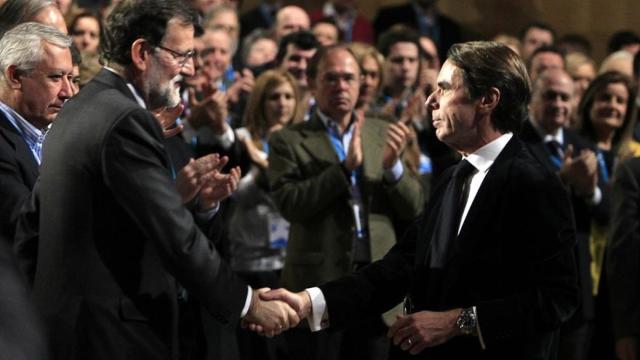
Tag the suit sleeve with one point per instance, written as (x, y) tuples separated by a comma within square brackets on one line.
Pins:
[(300, 198), (541, 221), (135, 168), (623, 266)]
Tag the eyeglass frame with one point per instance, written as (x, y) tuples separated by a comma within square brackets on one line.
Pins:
[(176, 54)]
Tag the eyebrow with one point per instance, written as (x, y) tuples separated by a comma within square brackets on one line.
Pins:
[(444, 84)]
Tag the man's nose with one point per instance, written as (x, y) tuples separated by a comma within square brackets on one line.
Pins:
[(189, 68), (432, 101), (66, 90)]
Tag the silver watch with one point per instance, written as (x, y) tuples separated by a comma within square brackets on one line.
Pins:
[(467, 322)]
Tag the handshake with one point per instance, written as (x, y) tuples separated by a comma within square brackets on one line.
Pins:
[(274, 311)]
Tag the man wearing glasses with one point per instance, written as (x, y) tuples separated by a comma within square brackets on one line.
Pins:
[(339, 181), (117, 247)]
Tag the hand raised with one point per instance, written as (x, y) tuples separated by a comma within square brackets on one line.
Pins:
[(218, 186), (424, 329), (167, 118), (211, 111), (398, 135), (269, 318), (192, 176), (354, 154)]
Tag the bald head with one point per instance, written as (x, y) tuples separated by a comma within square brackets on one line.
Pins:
[(551, 101), (290, 19)]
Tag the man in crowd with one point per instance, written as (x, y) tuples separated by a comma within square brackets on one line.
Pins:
[(489, 271), (36, 81), (562, 151), (290, 19), (338, 180), (533, 36), (544, 58), (117, 247)]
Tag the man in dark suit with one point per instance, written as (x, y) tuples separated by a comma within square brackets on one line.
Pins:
[(32, 92), (562, 151), (116, 245), (423, 16), (489, 271)]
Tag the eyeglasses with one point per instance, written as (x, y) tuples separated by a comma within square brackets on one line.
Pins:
[(179, 57)]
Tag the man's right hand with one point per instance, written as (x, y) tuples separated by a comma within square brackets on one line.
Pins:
[(212, 111), (354, 154), (269, 317)]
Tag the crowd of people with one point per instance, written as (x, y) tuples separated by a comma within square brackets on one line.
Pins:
[(179, 180)]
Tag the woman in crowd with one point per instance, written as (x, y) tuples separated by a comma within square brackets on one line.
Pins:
[(605, 113), (582, 70), (86, 30)]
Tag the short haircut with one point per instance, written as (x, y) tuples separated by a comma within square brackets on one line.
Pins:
[(23, 46), (586, 102), (536, 25), (579, 42), (303, 39), (544, 49), (251, 39), (321, 54), (396, 35), (14, 12), (636, 66), (621, 39), (483, 65), (142, 19)]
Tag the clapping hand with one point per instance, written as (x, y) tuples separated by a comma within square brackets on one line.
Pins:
[(398, 135), (581, 172), (203, 177), (167, 118), (211, 111)]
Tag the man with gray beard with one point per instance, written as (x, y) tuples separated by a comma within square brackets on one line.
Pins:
[(118, 252)]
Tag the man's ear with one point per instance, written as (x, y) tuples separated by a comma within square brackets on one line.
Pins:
[(13, 74), (489, 101), (140, 52)]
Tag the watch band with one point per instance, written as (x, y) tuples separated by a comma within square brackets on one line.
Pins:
[(467, 322)]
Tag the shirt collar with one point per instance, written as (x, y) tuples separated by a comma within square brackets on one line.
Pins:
[(133, 90), (329, 123), (557, 136), (483, 158)]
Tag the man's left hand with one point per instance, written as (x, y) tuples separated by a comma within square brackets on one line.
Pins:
[(217, 187), (398, 136), (424, 329)]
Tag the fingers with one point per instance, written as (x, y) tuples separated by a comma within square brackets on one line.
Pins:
[(400, 323), (171, 132), (568, 153)]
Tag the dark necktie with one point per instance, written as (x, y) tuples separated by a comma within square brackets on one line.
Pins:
[(446, 229), (556, 151)]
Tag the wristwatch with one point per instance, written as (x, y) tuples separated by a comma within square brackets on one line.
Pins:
[(467, 322)]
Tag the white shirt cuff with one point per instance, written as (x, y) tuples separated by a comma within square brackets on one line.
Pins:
[(484, 347), (597, 197), (204, 216), (319, 317), (207, 136), (247, 302), (395, 173)]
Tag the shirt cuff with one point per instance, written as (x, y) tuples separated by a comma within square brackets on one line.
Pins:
[(202, 217), (247, 302), (596, 198), (395, 173), (478, 329), (319, 317), (207, 136)]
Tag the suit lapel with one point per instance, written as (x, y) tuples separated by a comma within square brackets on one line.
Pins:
[(25, 157), (316, 141)]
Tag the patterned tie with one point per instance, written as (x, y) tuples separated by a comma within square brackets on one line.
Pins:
[(556, 151), (446, 229)]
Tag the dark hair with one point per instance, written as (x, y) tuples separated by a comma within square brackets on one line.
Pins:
[(621, 39), (142, 19), (581, 43), (544, 49), (14, 12), (536, 25), (76, 57), (331, 21), (303, 39), (483, 65), (596, 86), (636, 66), (396, 35), (321, 54)]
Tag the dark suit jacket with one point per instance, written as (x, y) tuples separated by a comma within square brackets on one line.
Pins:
[(584, 213), (114, 236), (623, 253), (512, 260), (405, 14), (18, 174)]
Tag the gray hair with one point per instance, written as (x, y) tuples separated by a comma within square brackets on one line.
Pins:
[(14, 12), (23, 46)]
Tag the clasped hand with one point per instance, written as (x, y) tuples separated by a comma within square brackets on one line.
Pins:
[(283, 310)]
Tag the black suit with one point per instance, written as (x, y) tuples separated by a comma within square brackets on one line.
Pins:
[(512, 260), (448, 30), (114, 236), (18, 174)]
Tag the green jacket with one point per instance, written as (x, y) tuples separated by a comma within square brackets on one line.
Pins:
[(311, 191)]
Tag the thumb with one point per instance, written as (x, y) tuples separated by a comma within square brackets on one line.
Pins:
[(568, 153)]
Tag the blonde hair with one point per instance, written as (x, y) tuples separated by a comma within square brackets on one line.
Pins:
[(255, 118)]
